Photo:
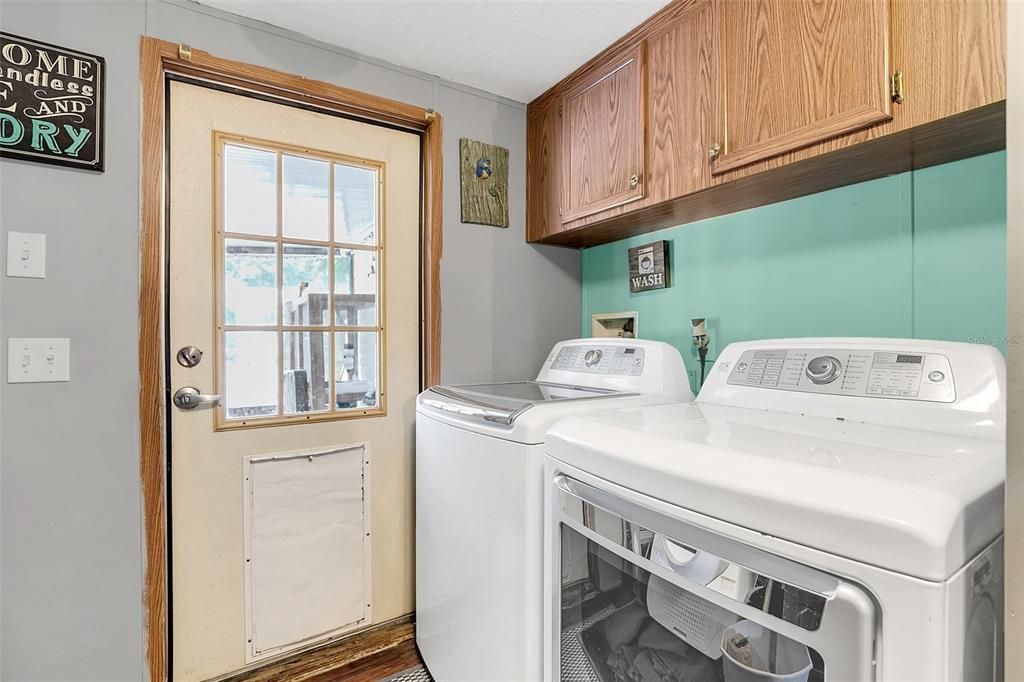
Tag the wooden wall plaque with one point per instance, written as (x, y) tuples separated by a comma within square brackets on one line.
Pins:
[(484, 177)]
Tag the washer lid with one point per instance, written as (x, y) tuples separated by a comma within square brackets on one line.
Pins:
[(916, 502), (503, 403)]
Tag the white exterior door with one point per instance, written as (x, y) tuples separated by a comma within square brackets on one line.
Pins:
[(293, 269)]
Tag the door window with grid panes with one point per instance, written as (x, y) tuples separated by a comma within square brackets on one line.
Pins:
[(300, 314)]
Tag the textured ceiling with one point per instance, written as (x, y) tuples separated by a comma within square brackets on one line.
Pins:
[(513, 48)]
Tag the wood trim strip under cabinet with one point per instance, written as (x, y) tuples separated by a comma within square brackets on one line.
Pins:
[(158, 59)]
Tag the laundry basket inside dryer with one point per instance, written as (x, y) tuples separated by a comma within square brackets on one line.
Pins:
[(624, 616)]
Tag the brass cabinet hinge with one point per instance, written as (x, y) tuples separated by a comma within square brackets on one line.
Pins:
[(430, 114), (184, 52), (896, 87)]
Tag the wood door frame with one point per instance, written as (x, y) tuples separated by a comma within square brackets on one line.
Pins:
[(160, 59)]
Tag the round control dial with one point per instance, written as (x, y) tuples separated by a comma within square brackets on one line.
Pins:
[(823, 369), (592, 357)]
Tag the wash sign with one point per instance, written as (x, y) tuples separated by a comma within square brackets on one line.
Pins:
[(51, 103), (648, 267)]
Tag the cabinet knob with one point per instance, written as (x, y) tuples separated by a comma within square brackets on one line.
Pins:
[(634, 180), (714, 150)]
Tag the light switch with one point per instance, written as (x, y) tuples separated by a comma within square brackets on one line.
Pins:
[(26, 254), (38, 360)]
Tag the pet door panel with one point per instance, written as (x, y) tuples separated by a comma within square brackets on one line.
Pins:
[(306, 547)]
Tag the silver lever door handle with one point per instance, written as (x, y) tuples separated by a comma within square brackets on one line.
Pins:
[(189, 398)]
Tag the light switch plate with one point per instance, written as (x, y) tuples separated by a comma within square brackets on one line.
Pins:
[(38, 360), (26, 254)]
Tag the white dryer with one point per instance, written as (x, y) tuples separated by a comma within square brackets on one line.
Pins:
[(829, 507), (479, 498)]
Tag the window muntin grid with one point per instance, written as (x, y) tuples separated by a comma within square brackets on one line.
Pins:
[(313, 284)]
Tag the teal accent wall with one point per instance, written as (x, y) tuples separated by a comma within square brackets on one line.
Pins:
[(921, 254)]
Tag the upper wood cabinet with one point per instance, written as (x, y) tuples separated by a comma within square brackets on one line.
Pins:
[(603, 137), (951, 54), (799, 71), (543, 171), (715, 106), (682, 108)]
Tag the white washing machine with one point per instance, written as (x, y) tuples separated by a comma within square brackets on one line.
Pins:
[(827, 509), (479, 499)]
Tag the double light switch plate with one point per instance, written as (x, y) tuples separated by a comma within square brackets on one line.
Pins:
[(38, 360)]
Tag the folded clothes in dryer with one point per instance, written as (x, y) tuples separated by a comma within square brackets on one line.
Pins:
[(653, 654), (625, 625), (622, 661), (657, 636), (663, 666)]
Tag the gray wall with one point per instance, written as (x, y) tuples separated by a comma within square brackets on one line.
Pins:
[(71, 558), (70, 522)]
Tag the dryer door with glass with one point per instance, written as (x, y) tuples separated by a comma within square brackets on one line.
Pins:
[(642, 595)]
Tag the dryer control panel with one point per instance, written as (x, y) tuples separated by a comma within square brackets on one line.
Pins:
[(600, 359), (862, 372)]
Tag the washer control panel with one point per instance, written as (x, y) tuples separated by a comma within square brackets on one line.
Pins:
[(865, 373), (599, 359)]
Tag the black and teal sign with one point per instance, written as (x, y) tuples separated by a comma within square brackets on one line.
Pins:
[(51, 103)]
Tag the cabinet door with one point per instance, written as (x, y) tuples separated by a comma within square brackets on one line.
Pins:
[(682, 103), (963, 63), (800, 71), (603, 138), (542, 170)]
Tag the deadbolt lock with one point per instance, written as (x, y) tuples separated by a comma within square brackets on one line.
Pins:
[(189, 356)]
